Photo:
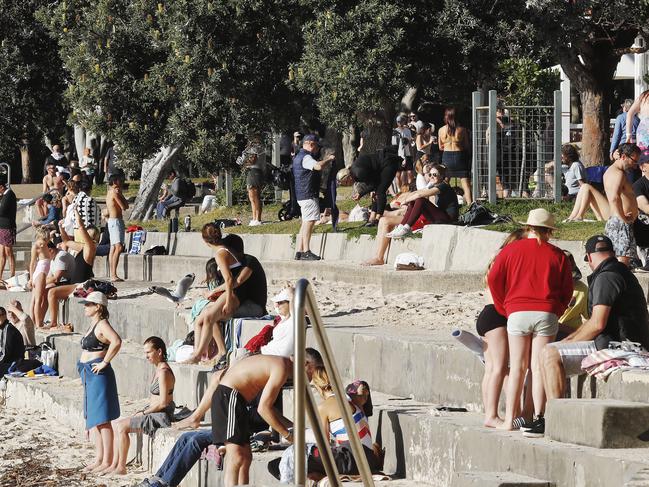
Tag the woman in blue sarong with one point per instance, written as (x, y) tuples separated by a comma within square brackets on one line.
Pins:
[(100, 402)]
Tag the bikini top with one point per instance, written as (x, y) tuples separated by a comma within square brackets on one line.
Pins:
[(90, 342), (235, 266), (155, 386)]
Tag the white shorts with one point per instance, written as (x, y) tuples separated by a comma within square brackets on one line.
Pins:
[(310, 209), (522, 323), (572, 353)]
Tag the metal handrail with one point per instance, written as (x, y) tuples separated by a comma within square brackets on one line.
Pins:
[(304, 300)]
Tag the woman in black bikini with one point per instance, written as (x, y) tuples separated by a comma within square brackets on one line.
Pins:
[(230, 268), (101, 404), (159, 412)]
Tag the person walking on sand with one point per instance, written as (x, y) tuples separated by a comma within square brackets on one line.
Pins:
[(100, 404), (8, 208), (623, 205), (116, 204)]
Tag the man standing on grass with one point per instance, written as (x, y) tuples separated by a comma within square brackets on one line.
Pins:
[(306, 171), (116, 204), (622, 203)]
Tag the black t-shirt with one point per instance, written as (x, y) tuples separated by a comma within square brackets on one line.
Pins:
[(612, 284), (447, 200), (255, 287), (641, 187)]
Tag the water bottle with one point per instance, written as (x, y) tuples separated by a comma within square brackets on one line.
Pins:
[(188, 223)]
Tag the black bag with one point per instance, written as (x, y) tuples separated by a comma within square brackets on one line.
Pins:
[(157, 250), (91, 285), (478, 214), (225, 222), (189, 339)]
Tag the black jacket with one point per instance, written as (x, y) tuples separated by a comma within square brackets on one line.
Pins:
[(14, 346), (8, 205), (377, 172)]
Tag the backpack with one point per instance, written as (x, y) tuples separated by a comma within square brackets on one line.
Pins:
[(478, 214), (157, 250)]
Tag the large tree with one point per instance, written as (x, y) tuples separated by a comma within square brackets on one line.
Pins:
[(588, 38), (33, 82), (158, 78)]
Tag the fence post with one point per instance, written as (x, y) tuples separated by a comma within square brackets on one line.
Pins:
[(228, 188), (493, 149), (477, 101), (557, 146)]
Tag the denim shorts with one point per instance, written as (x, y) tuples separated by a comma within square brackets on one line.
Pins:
[(524, 323)]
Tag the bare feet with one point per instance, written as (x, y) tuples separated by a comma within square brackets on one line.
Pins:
[(493, 422), (117, 279), (101, 468), (194, 359), (373, 261), (90, 468), (505, 426), (187, 423)]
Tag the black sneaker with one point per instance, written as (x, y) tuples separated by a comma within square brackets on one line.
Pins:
[(527, 424), (308, 255), (642, 269), (537, 430), (298, 255)]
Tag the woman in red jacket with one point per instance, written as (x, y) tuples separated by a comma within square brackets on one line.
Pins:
[(531, 284)]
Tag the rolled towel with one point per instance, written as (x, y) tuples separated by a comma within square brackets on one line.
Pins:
[(470, 341)]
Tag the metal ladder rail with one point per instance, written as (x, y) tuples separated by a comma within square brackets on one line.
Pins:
[(304, 300)]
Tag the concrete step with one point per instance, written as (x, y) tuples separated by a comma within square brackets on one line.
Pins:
[(496, 479), (598, 423), (422, 444)]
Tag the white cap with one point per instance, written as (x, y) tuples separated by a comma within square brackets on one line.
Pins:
[(95, 297), (283, 295)]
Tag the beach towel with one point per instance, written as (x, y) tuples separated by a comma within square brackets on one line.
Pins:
[(100, 400)]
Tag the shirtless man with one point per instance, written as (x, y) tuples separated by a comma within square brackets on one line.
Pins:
[(116, 204), (622, 203), (240, 385)]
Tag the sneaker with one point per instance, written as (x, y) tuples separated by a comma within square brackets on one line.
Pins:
[(642, 269), (395, 229), (528, 425), (400, 231), (520, 423), (537, 430), (298, 255), (254, 223), (308, 255)]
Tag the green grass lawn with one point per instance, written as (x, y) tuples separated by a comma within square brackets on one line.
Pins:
[(516, 208)]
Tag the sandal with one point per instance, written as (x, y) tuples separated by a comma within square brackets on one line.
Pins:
[(371, 223), (221, 364)]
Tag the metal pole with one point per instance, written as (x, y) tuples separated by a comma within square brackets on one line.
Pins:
[(322, 442), (477, 99), (336, 382), (493, 152), (299, 380), (557, 146), (228, 188)]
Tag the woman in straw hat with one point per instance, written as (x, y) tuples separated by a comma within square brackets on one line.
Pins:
[(531, 284)]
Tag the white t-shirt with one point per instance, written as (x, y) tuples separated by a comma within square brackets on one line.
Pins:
[(283, 342), (421, 182), (404, 148), (63, 261), (576, 172), (308, 162)]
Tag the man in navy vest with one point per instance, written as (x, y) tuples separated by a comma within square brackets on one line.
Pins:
[(306, 172)]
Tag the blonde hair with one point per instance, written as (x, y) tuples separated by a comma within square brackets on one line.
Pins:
[(42, 233), (320, 381), (518, 234)]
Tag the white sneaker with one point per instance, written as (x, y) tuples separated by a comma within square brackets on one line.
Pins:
[(254, 223), (395, 229), (401, 231)]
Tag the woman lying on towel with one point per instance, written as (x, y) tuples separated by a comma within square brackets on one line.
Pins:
[(100, 403), (158, 414)]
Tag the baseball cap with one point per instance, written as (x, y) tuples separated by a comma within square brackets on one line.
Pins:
[(311, 138), (95, 297), (283, 295), (598, 243)]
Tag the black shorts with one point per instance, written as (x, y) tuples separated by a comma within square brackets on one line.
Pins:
[(230, 418), (489, 319)]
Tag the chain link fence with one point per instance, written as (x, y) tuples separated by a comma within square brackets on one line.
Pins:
[(514, 149)]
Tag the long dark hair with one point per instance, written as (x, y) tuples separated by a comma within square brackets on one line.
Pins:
[(211, 270), (211, 234), (449, 120), (159, 344)]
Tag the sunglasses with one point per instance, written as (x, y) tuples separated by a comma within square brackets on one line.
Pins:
[(434, 174)]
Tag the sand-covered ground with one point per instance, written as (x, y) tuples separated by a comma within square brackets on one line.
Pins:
[(37, 451)]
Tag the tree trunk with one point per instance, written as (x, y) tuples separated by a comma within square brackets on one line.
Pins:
[(349, 143), (595, 131), (25, 162), (408, 100), (378, 131), (79, 140), (154, 171)]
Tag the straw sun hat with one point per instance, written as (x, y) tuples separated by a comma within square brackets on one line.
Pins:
[(540, 217)]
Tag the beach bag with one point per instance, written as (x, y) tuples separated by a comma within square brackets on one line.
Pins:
[(359, 214), (49, 356), (157, 250), (409, 261)]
